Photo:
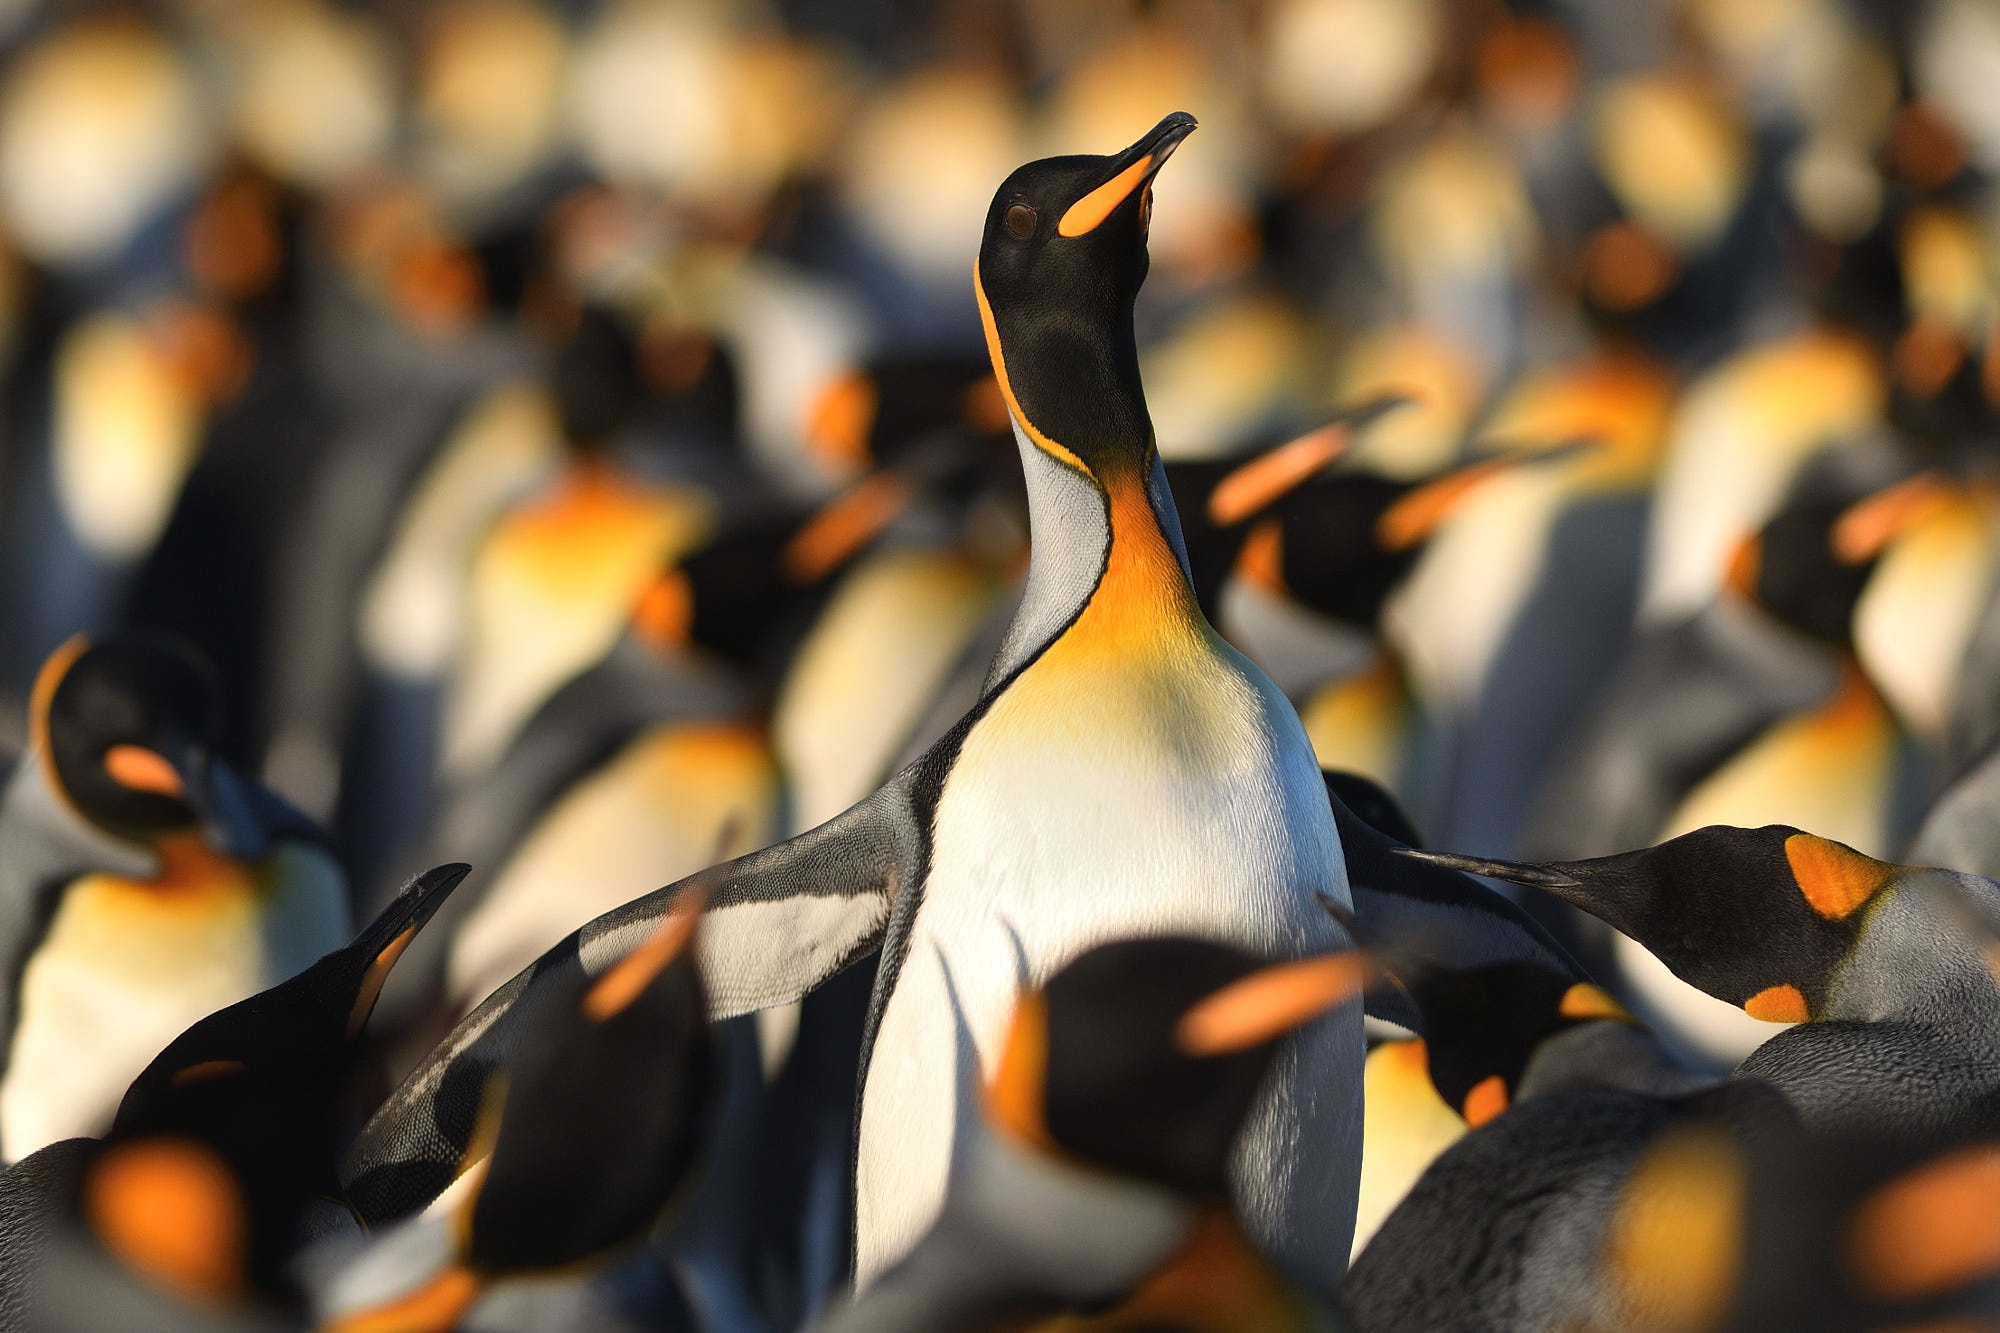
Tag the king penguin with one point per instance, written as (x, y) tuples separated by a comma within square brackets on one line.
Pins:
[(1123, 772), (1895, 1004), (143, 883)]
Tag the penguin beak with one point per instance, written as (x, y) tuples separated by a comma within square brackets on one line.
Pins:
[(1275, 473), (1514, 872), (1130, 171), (1271, 1002), (1869, 526), (384, 941), (1419, 514)]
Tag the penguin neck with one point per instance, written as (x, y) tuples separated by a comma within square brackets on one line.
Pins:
[(1107, 561)]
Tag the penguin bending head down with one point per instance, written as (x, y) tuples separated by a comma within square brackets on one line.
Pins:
[(1897, 1007), (1124, 772)]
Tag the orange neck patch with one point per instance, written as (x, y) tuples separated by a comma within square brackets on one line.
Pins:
[(1215, 1283), (1778, 1004), (1585, 1001), (1835, 878), (434, 1307)]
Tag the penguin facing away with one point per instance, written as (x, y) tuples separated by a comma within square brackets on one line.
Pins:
[(141, 878), (1123, 771)]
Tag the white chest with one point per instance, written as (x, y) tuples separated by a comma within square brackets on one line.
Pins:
[(125, 968), (1105, 795)]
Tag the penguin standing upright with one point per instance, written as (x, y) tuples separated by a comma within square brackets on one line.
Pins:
[(1123, 772), (143, 884)]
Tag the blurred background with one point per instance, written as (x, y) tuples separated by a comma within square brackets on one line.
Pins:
[(421, 363)]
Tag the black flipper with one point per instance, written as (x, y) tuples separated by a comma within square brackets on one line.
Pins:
[(778, 922)]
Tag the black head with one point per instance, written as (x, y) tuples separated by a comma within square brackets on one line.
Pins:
[(1145, 1056), (1060, 265), (1757, 917), (259, 1083), (1790, 568), (604, 1116), (1482, 1025), (127, 728)]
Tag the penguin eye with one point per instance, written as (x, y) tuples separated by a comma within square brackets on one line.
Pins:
[(1021, 221)]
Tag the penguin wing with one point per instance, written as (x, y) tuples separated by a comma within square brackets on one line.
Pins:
[(777, 923)]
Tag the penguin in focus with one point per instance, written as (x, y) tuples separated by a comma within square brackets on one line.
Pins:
[(1123, 771), (1094, 1194), (143, 883), (1895, 1006)]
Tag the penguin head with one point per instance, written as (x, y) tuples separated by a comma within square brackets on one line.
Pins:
[(127, 729), (1060, 264), (602, 1121), (259, 1083), (1144, 1056), (1760, 918), (1483, 1025)]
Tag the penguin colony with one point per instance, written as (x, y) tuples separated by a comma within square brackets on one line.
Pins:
[(675, 665)]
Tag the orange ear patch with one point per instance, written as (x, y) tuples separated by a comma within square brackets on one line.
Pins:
[(1585, 1001), (1835, 878), (1486, 1100), (170, 1211), (1083, 216), (1931, 1230), (1014, 1097), (1777, 1004), (142, 769), (1270, 1002)]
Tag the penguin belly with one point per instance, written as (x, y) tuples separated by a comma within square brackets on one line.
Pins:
[(1106, 795), (128, 965)]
